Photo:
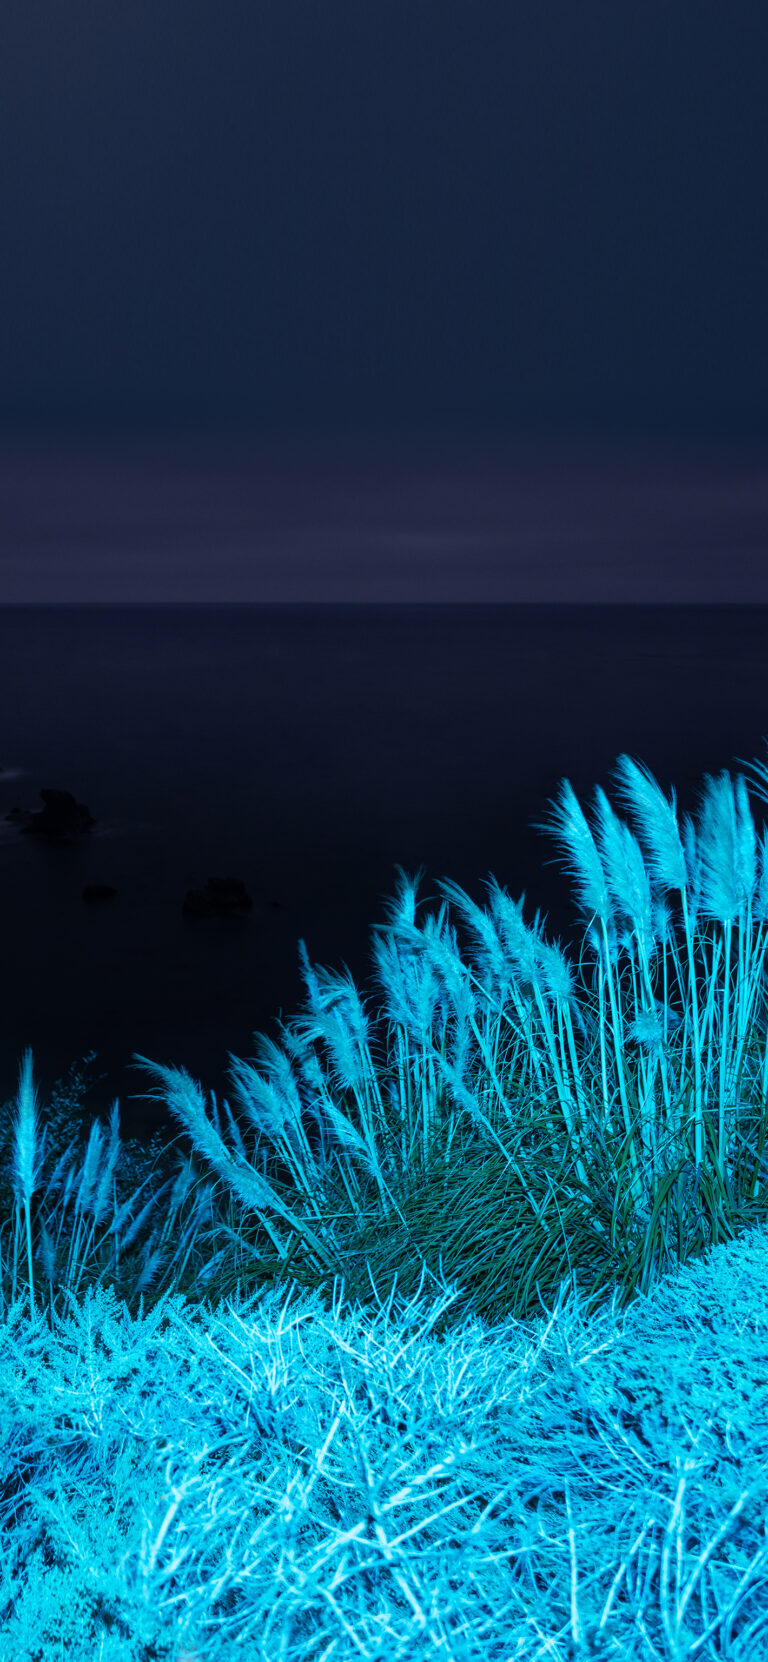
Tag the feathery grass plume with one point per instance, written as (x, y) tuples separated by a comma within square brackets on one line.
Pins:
[(396, 978), (720, 886), (464, 1090), (182, 1184), (720, 893), (569, 827), (401, 912), (338, 1018), (463, 1014), (234, 1131), (107, 1173), (24, 1173), (136, 1226), (662, 920), (148, 1273), (90, 1167), (415, 1009), (318, 1103), (691, 903), (442, 953), (273, 1106), (533, 968), (510, 954), (185, 1099), (692, 891), (301, 1052), (60, 1169), (646, 1028), (627, 877), (521, 945), (466, 1004), (279, 1075), (273, 1112), (429, 993), (352, 1142), (657, 822), (746, 843), (48, 1255), (557, 977), (729, 877), (628, 882), (311, 1075), (674, 864), (414, 993), (460, 1024), (93, 1194), (557, 982), (491, 959), (517, 938), (124, 1210)]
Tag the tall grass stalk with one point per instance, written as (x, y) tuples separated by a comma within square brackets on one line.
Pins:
[(25, 1173)]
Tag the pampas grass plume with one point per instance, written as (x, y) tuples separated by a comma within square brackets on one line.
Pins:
[(24, 1175)]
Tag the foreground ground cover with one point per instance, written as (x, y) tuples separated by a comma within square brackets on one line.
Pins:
[(279, 1480), (390, 1197)]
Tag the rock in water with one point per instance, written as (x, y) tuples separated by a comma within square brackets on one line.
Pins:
[(96, 892), (62, 816), (220, 898)]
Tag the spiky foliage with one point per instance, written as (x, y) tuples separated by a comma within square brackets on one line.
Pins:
[(622, 1109)]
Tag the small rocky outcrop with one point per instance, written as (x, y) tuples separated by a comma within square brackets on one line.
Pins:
[(221, 897), (62, 816), (96, 893)]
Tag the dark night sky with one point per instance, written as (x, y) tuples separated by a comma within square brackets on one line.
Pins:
[(513, 222)]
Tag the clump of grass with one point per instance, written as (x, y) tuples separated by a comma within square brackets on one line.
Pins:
[(503, 1117)]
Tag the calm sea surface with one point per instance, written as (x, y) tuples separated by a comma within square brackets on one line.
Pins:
[(308, 750)]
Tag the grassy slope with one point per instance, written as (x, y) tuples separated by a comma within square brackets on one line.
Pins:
[(531, 1427)]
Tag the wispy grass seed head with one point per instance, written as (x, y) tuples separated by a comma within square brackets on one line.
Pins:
[(401, 912), (489, 957), (90, 1168), (693, 870), (336, 1016), (662, 920), (415, 989), (518, 940), (443, 955), (395, 975), (625, 869), (24, 1170), (726, 849), (109, 1167), (272, 1110), (185, 1099), (746, 842), (647, 1030), (567, 823), (555, 971), (656, 820)]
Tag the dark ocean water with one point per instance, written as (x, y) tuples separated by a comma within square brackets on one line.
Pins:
[(308, 750)]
